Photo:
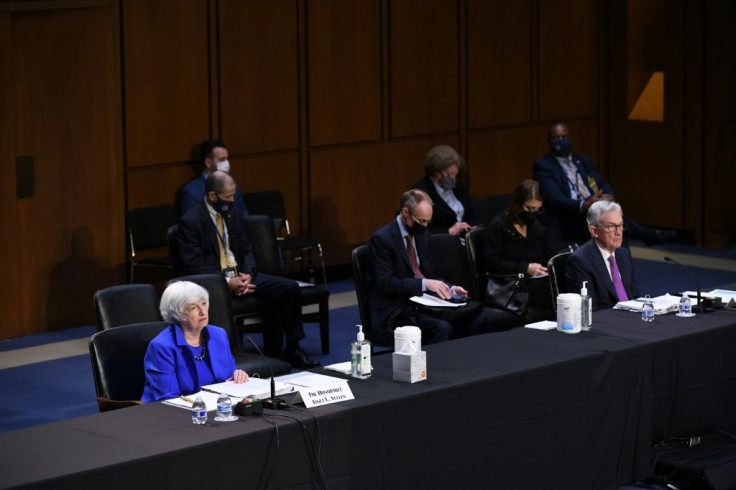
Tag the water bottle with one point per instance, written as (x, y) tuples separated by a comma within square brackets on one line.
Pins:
[(685, 306), (224, 409), (647, 310), (199, 411)]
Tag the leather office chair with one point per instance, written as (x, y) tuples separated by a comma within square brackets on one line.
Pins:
[(173, 246), (556, 270), (221, 315), (271, 203), (117, 363), (126, 304), (359, 259), (147, 231), (262, 236), (487, 208)]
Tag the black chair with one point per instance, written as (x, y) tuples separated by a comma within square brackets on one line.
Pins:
[(126, 304), (271, 203), (221, 314), (359, 259), (117, 363), (262, 235), (556, 270), (173, 245), (487, 208), (147, 231)]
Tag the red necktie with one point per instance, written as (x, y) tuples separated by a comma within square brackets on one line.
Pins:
[(413, 257)]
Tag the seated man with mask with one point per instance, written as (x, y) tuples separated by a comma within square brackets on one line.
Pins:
[(601, 261), (212, 239)]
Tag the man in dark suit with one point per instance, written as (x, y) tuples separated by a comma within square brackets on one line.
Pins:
[(453, 209), (400, 267), (212, 239), (214, 156), (570, 184), (601, 261)]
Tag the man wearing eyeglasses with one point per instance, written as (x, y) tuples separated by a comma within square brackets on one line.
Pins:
[(601, 261), (400, 267)]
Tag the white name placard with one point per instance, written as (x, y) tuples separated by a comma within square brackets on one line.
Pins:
[(316, 396)]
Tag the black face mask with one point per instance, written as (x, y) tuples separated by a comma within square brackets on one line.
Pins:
[(416, 229), (528, 217), (561, 147), (222, 206)]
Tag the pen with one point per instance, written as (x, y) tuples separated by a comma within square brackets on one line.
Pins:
[(187, 399)]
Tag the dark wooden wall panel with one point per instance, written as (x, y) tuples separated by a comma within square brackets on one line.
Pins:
[(166, 79), (499, 67), (424, 66), (344, 71), (158, 184), (258, 67), (65, 110), (568, 59)]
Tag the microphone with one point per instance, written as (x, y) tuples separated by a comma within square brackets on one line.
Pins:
[(273, 402), (698, 307)]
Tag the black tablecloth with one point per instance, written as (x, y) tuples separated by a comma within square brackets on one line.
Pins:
[(517, 409)]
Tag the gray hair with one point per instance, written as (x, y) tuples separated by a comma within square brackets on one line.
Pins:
[(411, 198), (177, 296), (441, 157), (599, 208)]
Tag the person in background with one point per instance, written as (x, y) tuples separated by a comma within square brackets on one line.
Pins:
[(453, 210), (601, 261), (189, 353), (214, 156), (570, 185)]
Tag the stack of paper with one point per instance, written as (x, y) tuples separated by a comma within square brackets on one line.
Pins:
[(728, 298), (662, 304), (429, 300)]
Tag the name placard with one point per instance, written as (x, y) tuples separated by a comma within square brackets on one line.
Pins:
[(316, 396)]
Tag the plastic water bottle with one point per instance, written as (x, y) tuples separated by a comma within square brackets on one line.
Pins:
[(199, 411), (647, 310), (224, 409), (685, 306)]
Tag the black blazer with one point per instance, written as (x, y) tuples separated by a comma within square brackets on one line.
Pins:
[(587, 264), (198, 245), (391, 279), (443, 217)]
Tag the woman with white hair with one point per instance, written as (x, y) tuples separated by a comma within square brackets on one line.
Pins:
[(189, 353)]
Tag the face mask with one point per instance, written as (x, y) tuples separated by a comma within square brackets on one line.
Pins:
[(561, 147), (223, 166), (527, 217), (416, 229), (447, 182), (222, 206)]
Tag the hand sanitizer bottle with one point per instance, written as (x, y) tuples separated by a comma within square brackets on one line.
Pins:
[(586, 308), (360, 356)]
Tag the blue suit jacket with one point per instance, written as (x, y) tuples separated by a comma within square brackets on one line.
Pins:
[(391, 280), (199, 248), (193, 193), (443, 217), (587, 264), (563, 215), (169, 363)]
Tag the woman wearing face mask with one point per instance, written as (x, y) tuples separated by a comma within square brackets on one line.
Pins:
[(453, 211), (515, 241)]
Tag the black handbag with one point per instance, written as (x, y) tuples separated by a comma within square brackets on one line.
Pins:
[(507, 292)]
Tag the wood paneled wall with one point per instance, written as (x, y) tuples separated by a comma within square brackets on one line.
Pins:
[(335, 103)]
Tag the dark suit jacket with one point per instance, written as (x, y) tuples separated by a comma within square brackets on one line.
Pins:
[(193, 193), (199, 247), (562, 215), (443, 217), (587, 264), (391, 280)]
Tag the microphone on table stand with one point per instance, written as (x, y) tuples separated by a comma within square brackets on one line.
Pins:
[(698, 307), (273, 402)]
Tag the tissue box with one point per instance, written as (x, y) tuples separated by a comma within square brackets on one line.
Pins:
[(410, 368)]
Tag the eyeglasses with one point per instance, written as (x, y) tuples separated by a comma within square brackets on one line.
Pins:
[(610, 227), (532, 209), (423, 222)]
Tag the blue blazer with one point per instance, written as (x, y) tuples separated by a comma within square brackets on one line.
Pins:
[(390, 278), (193, 193), (199, 248), (169, 363), (443, 217), (587, 264), (563, 215)]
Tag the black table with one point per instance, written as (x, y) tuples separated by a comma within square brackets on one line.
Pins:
[(515, 409)]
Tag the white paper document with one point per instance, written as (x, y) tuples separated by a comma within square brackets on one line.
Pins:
[(254, 386), (543, 325), (662, 304), (340, 367), (429, 300), (210, 400), (726, 296), (305, 379)]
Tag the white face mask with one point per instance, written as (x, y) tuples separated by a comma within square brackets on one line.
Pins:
[(223, 166)]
